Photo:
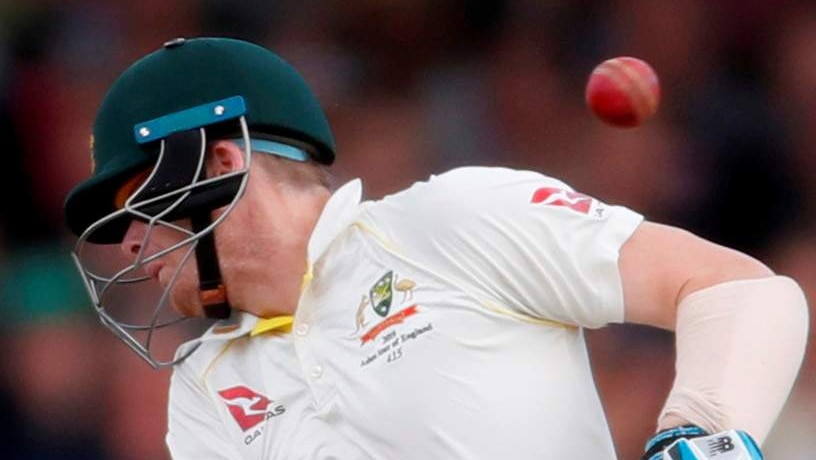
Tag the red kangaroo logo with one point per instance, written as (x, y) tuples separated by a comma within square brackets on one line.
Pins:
[(246, 406), (558, 197)]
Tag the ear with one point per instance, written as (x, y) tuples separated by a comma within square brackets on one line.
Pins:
[(224, 157)]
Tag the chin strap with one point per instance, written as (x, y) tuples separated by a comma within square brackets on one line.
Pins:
[(213, 294)]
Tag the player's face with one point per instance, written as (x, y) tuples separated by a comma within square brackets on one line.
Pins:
[(261, 244), (246, 272), (184, 294), (177, 268)]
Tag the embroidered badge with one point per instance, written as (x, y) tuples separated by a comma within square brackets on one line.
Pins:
[(381, 294)]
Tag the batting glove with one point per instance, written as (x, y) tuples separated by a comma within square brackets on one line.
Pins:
[(691, 442)]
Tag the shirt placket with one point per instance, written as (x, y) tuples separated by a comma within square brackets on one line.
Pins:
[(306, 338)]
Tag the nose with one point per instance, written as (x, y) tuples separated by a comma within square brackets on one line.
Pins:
[(134, 237)]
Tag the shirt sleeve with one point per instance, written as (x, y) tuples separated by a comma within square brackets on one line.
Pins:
[(519, 238), (194, 429)]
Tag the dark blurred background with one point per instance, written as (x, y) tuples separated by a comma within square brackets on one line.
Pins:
[(414, 87)]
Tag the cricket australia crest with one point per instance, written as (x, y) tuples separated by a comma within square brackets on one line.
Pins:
[(380, 298), (382, 293), (385, 320)]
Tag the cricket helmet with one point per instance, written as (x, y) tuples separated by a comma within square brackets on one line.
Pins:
[(186, 74), (155, 122)]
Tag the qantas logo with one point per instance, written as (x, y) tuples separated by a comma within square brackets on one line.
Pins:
[(558, 197), (247, 407)]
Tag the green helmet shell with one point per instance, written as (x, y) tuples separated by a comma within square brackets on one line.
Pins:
[(184, 74)]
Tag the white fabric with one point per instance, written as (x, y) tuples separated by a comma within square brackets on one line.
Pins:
[(739, 348), (479, 353)]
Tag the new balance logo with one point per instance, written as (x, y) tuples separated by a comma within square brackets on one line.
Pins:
[(720, 445)]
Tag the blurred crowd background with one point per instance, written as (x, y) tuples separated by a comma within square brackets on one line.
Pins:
[(415, 87)]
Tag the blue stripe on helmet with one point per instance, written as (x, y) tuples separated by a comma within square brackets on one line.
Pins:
[(275, 148), (194, 117)]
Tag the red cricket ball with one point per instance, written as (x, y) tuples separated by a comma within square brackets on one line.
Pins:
[(623, 91)]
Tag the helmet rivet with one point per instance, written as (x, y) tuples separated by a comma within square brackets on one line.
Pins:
[(144, 132), (174, 42), (219, 110)]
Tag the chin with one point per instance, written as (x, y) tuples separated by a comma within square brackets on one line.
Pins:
[(185, 302)]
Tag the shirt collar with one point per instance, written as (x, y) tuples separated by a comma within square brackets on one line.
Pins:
[(276, 323), (337, 215), (241, 323)]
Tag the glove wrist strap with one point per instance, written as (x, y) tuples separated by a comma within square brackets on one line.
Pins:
[(662, 439)]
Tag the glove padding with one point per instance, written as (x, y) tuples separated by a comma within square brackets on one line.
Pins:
[(693, 443)]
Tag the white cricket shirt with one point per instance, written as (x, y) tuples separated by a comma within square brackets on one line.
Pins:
[(442, 322)]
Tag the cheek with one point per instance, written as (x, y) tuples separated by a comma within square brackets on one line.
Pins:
[(233, 251)]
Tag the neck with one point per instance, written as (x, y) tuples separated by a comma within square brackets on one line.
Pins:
[(271, 273)]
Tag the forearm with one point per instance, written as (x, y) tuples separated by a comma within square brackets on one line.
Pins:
[(739, 348)]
